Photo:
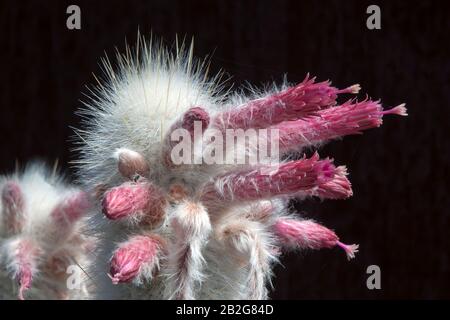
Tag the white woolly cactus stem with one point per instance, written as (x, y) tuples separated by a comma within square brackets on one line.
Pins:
[(191, 227), (41, 234), (251, 248), (13, 207)]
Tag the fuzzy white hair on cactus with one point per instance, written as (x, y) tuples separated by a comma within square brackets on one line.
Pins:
[(197, 230), (41, 235)]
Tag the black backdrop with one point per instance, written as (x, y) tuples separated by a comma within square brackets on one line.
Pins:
[(399, 213)]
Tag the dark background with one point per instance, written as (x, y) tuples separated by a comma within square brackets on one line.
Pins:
[(399, 213)]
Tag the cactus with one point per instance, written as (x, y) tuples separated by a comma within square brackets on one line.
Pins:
[(42, 234), (196, 230)]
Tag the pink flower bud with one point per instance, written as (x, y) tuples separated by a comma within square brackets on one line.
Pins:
[(191, 116), (139, 201), (350, 249), (132, 255), (13, 204), (131, 163), (187, 122)]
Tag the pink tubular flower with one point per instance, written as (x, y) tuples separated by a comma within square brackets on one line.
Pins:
[(349, 118), (135, 200), (288, 178), (302, 100), (306, 234), (13, 204), (133, 255)]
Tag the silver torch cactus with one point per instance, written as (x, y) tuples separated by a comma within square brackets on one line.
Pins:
[(192, 183), (44, 243)]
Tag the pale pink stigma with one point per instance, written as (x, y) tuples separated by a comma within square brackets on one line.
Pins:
[(354, 89), (350, 250), (13, 203), (131, 256), (399, 110)]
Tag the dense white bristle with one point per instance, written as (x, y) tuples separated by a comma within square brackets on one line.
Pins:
[(35, 243)]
